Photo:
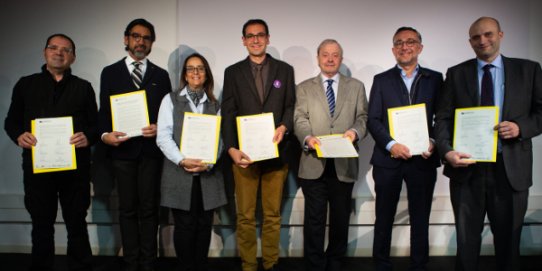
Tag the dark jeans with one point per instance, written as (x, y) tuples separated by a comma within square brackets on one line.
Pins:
[(138, 184), (42, 193), (192, 234)]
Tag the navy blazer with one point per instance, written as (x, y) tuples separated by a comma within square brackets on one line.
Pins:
[(240, 98), (389, 91), (522, 104), (116, 79)]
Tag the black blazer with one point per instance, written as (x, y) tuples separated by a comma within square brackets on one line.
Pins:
[(522, 104), (389, 91), (115, 79), (240, 97)]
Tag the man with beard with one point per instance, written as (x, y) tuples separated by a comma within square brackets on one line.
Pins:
[(136, 161)]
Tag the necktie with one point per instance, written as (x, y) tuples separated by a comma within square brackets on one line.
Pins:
[(137, 74), (258, 79), (486, 96), (330, 97)]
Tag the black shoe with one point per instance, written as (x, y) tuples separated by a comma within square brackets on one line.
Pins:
[(274, 268)]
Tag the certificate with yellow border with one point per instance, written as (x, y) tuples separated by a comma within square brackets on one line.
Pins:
[(408, 126), (53, 151), (335, 146), (200, 137), (255, 133), (129, 112), (474, 132)]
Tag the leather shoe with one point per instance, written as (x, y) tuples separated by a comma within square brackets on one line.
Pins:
[(273, 268)]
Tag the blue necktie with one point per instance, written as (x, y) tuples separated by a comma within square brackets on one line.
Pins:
[(330, 97), (486, 95)]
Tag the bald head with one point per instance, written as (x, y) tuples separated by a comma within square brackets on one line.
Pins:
[(485, 37)]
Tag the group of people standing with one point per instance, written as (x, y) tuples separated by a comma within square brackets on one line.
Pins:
[(151, 171)]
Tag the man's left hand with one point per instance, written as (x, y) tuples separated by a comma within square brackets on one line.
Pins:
[(507, 130), (149, 131), (429, 152), (351, 135), (279, 134), (79, 140)]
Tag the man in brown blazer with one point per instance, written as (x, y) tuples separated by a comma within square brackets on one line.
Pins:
[(329, 103), (242, 96)]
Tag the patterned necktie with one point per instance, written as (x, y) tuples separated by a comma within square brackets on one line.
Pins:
[(258, 79), (137, 74), (330, 97), (486, 96)]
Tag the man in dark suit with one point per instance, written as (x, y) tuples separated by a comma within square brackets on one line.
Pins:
[(329, 103), (246, 92), (405, 84), (499, 189), (137, 161)]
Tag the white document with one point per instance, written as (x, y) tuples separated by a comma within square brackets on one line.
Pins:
[(335, 146), (474, 133), (129, 113), (255, 134), (408, 126), (199, 139), (53, 151)]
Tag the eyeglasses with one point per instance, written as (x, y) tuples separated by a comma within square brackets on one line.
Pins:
[(259, 36), (65, 50), (138, 37), (192, 69), (408, 43)]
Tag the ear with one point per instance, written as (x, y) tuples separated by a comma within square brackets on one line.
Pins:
[(125, 40)]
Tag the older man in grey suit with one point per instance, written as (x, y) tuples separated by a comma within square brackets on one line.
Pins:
[(329, 103)]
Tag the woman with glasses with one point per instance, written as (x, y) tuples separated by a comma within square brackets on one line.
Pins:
[(190, 187)]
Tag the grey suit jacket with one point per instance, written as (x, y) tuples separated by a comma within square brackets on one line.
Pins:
[(522, 104), (311, 117)]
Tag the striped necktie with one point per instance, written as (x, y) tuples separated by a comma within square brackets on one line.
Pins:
[(330, 97), (137, 75)]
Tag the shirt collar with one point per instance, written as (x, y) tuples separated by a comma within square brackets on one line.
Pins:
[(325, 78), (129, 60), (497, 62), (403, 73)]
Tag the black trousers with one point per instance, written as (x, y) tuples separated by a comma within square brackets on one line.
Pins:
[(420, 184), (318, 193), (138, 185), (42, 194), (488, 191), (192, 234)]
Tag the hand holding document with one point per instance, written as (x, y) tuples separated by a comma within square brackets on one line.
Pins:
[(129, 113), (53, 151), (255, 134), (335, 146), (474, 132), (200, 137), (408, 126)]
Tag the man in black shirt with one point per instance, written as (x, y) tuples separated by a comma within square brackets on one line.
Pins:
[(55, 92)]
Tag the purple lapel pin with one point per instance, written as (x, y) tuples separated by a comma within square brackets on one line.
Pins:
[(277, 83)]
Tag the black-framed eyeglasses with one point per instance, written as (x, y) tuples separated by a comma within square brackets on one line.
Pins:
[(408, 43), (138, 37), (65, 50), (192, 69), (259, 36)]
